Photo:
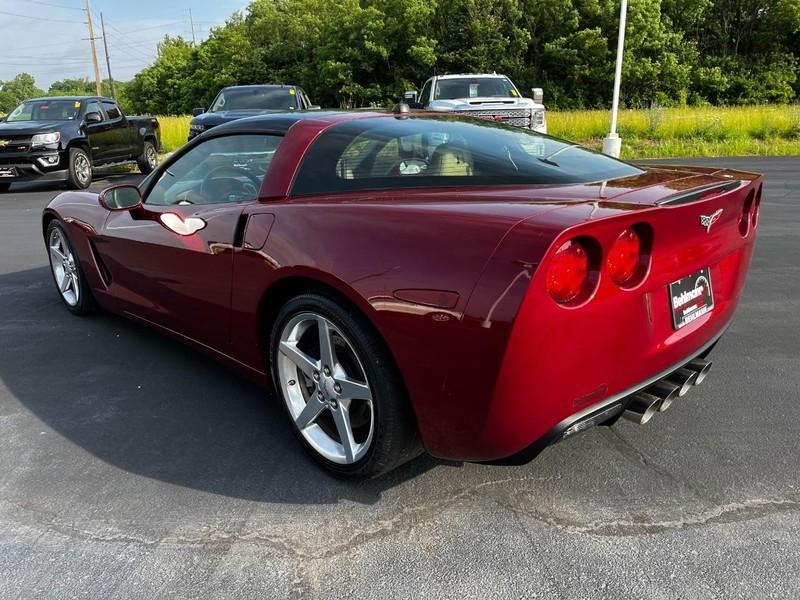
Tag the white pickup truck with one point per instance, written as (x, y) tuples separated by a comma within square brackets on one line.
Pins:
[(491, 96)]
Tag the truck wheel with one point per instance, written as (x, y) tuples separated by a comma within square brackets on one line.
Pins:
[(148, 160), (4, 187), (79, 175)]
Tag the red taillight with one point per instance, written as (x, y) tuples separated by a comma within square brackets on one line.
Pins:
[(756, 208), (624, 257), (568, 272), (744, 218)]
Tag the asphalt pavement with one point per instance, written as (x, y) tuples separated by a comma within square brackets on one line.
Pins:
[(134, 467)]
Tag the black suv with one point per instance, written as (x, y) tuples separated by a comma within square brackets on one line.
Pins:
[(239, 101), (65, 138)]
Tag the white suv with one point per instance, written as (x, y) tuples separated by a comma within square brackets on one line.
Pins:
[(492, 97)]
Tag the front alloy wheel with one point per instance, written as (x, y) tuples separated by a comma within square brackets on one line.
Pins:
[(344, 395), (65, 269), (67, 273)]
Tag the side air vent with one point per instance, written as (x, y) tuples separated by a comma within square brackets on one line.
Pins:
[(105, 274)]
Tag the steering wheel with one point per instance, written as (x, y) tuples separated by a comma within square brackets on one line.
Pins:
[(232, 173)]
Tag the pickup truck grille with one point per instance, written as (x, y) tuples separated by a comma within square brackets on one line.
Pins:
[(521, 117), (14, 143)]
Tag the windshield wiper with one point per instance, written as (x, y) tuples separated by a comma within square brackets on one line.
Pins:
[(548, 159)]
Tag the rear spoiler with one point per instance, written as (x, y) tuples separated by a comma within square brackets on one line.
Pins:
[(699, 193)]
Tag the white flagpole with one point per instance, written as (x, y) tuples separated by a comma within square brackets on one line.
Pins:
[(612, 144)]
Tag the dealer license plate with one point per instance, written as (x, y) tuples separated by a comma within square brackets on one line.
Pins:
[(8, 172), (691, 298)]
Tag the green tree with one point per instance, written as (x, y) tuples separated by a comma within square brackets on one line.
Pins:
[(14, 91)]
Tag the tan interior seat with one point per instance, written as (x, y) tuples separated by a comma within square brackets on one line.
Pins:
[(450, 161)]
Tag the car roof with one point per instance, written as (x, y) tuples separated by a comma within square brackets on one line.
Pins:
[(467, 75), (75, 98), (260, 86)]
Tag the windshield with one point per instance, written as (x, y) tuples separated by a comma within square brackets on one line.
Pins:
[(474, 87), (255, 99), (46, 110)]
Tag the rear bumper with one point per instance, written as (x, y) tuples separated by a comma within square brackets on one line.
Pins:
[(605, 412)]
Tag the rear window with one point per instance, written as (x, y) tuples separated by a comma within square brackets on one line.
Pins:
[(386, 153)]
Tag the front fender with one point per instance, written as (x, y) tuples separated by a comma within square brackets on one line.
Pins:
[(83, 217)]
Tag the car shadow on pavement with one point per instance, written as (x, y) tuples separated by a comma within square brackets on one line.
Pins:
[(154, 407)]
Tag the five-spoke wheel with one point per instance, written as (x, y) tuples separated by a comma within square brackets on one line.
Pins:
[(340, 388), (66, 270), (325, 388)]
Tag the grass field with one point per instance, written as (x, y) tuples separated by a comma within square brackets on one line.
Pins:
[(658, 132)]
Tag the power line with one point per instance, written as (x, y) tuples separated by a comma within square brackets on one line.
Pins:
[(2, 12), (53, 5)]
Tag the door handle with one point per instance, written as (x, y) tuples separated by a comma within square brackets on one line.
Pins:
[(181, 226)]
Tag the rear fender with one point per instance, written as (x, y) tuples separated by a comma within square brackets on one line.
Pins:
[(561, 359)]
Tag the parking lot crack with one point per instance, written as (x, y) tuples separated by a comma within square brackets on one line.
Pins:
[(733, 512), (626, 448)]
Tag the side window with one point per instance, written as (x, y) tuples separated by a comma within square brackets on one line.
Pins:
[(112, 110), (425, 94), (94, 106), (304, 96), (223, 169)]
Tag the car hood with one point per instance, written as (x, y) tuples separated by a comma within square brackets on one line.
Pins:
[(212, 119), (482, 104), (31, 127)]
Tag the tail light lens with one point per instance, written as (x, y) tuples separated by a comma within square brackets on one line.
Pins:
[(746, 216), (568, 272), (756, 207), (624, 257)]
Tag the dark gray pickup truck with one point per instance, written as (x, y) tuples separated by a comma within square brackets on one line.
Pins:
[(67, 138)]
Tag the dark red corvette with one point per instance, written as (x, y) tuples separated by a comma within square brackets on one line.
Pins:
[(420, 281)]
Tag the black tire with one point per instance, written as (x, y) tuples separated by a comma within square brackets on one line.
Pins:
[(4, 187), (148, 159), (77, 179), (395, 439), (85, 302)]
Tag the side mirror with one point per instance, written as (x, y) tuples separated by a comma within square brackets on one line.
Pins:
[(121, 197), (94, 117), (411, 97), (538, 95), (198, 111)]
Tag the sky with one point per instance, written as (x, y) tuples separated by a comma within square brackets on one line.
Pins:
[(48, 38)]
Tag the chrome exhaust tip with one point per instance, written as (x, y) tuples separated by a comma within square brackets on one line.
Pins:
[(701, 367), (642, 407), (666, 391), (684, 379)]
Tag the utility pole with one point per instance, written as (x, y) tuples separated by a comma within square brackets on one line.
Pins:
[(97, 81), (612, 144), (191, 22), (108, 60)]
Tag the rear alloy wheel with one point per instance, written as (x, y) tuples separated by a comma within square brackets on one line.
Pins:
[(79, 176), (67, 272), (148, 160), (342, 395)]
